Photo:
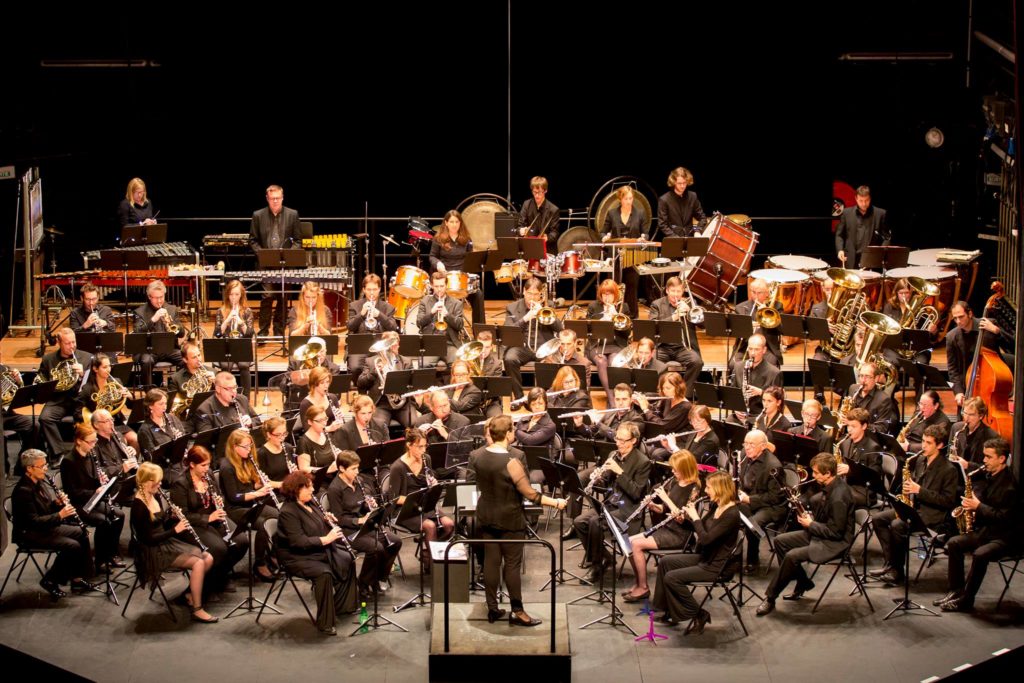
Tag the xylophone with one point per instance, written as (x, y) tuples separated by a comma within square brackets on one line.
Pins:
[(112, 278), (292, 276)]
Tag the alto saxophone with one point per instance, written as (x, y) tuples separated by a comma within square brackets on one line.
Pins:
[(964, 517), (905, 498), (836, 452), (902, 438)]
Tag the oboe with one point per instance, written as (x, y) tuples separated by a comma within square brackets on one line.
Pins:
[(332, 522), (647, 500), (181, 515), (63, 499)]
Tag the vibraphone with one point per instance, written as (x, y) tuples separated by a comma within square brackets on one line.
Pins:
[(164, 253), (179, 289)]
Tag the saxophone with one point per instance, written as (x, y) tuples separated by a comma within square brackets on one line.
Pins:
[(954, 447), (904, 497), (844, 407), (835, 450), (902, 438), (964, 517)]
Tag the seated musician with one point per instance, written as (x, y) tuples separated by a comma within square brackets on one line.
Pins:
[(859, 446), (351, 500), (810, 412), (160, 426), (962, 340), (310, 546), (703, 443), (626, 474), (466, 400), (234, 321), (566, 380), (309, 314), (827, 533), (679, 210), (296, 379), (373, 376), (448, 252), (539, 429), (115, 457), (369, 314), (820, 310), (319, 383), (157, 316), (934, 485), (753, 376), (539, 218), (362, 429), (244, 489), (929, 412), (626, 221), (440, 422), (490, 361), (410, 473), (97, 383), (191, 379), (12, 421), (199, 498), (896, 308), (568, 352), (871, 396), (522, 313), (758, 291), (995, 531), (773, 416), (135, 208), (274, 227), (315, 448), (674, 307), (646, 357), (92, 316), (225, 407), (761, 498), (622, 410), (69, 365), (40, 520), (716, 532), (681, 488), (966, 445), (672, 412), (80, 479), (439, 310), (275, 457), (605, 308)]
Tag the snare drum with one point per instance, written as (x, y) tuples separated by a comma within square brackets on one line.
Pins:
[(791, 285), (456, 284), (946, 279), (503, 274), (402, 304), (411, 281), (572, 263)]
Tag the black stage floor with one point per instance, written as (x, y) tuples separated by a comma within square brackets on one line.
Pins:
[(843, 641)]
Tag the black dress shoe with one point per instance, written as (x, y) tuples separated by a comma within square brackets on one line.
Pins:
[(522, 619), (892, 577), (766, 607), (595, 574), (938, 602), (569, 534), (80, 585), (880, 572), (329, 631), (53, 589), (702, 619), (585, 564), (494, 614), (751, 568), (117, 563), (667, 619), (961, 604), (799, 591)]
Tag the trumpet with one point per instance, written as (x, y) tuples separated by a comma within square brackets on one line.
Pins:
[(234, 332), (370, 314), (439, 322)]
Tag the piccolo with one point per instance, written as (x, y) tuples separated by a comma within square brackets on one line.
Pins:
[(549, 394), (428, 390), (666, 436)]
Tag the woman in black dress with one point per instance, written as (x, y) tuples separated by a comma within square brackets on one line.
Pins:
[(196, 493), (717, 533), (159, 547), (448, 252), (772, 417), (135, 208), (626, 220), (672, 413), (243, 489), (160, 426), (315, 449), (681, 490), (351, 501), (411, 473), (275, 457), (309, 546), (319, 383)]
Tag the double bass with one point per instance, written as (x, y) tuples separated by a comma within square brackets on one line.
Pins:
[(989, 378)]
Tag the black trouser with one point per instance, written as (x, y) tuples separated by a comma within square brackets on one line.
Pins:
[(631, 279), (892, 534), (985, 552), (516, 358), (404, 415), (334, 595), (262, 541), (71, 543), (225, 556), (267, 309), (512, 554), (793, 549), (672, 593), (380, 556), (22, 424), (108, 530), (763, 516), (590, 530), (476, 304), (147, 360), (689, 361), (50, 418)]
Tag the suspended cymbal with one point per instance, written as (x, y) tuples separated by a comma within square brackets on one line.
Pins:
[(53, 231)]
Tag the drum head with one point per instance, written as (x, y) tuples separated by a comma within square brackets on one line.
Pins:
[(779, 275), (796, 262), (580, 233), (478, 215), (931, 273)]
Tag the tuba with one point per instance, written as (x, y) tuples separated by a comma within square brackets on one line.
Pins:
[(846, 303), (877, 327)]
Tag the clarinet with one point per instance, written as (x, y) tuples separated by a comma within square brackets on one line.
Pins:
[(289, 460), (598, 473), (336, 410), (647, 500), (123, 447), (101, 474), (432, 481), (63, 499), (240, 414), (332, 522), (218, 504), (670, 518), (368, 498), (265, 480), (181, 515)]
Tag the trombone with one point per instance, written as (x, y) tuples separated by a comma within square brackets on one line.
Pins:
[(545, 316), (765, 314)]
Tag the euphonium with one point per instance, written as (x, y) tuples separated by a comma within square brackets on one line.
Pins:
[(917, 315), (877, 327), (964, 517), (766, 316), (845, 305)]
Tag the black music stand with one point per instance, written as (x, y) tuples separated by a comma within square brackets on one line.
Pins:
[(373, 524), (527, 248), (885, 258), (340, 384), (423, 345), (417, 504), (509, 336), (682, 247), (723, 396), (915, 525), (33, 395), (297, 340), (152, 343), (794, 449), (731, 435), (493, 386), (728, 325), (280, 260), (660, 331), (248, 525), (212, 437), (590, 451), (404, 381), (154, 233), (169, 453), (544, 373), (593, 330), (125, 260), (110, 343), (568, 482), (931, 376), (644, 381), (621, 543), (481, 261), (806, 328), (832, 374), (228, 350)]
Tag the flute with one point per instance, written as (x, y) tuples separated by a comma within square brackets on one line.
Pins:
[(429, 390), (666, 436), (585, 413), (549, 394)]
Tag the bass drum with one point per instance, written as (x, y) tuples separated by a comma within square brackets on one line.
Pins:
[(337, 303), (715, 275), (409, 326), (478, 214), (605, 200), (576, 235)]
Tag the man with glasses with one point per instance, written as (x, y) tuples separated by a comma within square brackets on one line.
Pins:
[(759, 292), (810, 413), (967, 443), (275, 227), (962, 340), (867, 394), (92, 316), (156, 315), (626, 474), (523, 314), (116, 457), (225, 407), (41, 521), (929, 407), (760, 494), (362, 429)]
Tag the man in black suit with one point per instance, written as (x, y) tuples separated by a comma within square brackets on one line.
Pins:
[(156, 315), (860, 447), (826, 535), (439, 423), (810, 411), (61, 403), (92, 316), (962, 340), (523, 314), (225, 407), (761, 374), (539, 217), (686, 355), (760, 494), (867, 394), (860, 227), (679, 209), (438, 306), (275, 227), (372, 377)]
